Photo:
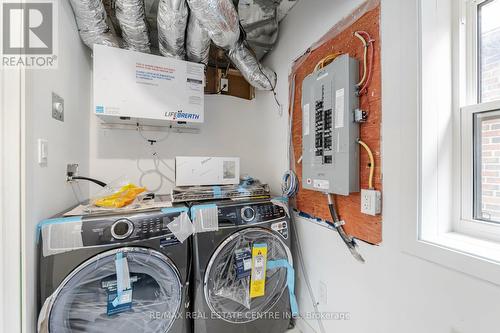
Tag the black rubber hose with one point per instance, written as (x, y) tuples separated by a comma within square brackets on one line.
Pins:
[(98, 182)]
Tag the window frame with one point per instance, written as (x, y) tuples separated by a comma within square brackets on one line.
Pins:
[(467, 224)]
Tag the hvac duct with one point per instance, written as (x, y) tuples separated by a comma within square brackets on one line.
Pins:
[(132, 20), (220, 19), (91, 21), (172, 22), (197, 41)]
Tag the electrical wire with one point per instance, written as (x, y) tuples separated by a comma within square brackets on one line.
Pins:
[(337, 223), (95, 181), (365, 56), (367, 70), (290, 184), (326, 60), (372, 163), (153, 141)]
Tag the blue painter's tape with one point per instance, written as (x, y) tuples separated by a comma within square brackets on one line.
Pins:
[(194, 209), (282, 199), (217, 192), (60, 220), (290, 281), (119, 278), (171, 210), (99, 109)]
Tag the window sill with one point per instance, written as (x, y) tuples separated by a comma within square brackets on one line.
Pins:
[(469, 255)]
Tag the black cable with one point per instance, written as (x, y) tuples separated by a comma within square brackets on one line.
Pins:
[(348, 240), (98, 182)]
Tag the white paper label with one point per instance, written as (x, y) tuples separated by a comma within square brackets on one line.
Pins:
[(339, 108), (305, 119), (321, 184)]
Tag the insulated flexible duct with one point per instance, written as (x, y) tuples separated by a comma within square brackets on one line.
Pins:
[(91, 21), (132, 19), (172, 22), (197, 42), (220, 19)]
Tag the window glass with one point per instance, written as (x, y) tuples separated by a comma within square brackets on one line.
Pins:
[(487, 166), (489, 50)]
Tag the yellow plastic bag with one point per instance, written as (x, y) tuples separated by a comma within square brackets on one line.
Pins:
[(123, 197)]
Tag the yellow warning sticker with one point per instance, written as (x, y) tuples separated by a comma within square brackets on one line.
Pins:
[(258, 275)]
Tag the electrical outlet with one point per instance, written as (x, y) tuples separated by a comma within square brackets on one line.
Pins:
[(371, 202), (224, 84), (323, 293), (43, 152)]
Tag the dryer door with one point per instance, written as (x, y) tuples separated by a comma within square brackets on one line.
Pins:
[(82, 301), (227, 290)]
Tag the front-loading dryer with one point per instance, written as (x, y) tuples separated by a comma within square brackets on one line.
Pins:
[(85, 262), (222, 300)]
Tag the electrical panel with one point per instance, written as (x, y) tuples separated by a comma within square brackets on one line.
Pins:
[(330, 152)]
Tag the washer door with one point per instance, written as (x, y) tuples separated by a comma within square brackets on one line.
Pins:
[(80, 303), (227, 294)]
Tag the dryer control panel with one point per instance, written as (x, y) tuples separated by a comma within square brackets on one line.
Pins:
[(247, 213)]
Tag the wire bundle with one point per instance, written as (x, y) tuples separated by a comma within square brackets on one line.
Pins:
[(290, 184)]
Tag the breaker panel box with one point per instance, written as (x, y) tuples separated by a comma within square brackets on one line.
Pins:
[(330, 152)]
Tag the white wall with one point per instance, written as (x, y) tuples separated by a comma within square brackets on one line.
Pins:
[(233, 127), (47, 192), (393, 291)]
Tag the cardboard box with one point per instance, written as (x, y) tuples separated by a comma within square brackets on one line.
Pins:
[(195, 170)]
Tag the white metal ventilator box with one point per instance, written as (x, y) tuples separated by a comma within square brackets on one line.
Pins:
[(134, 87)]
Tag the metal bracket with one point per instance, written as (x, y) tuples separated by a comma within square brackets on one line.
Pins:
[(174, 128), (360, 116)]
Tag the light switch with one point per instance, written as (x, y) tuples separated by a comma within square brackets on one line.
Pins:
[(43, 151)]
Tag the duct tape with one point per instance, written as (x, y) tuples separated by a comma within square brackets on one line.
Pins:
[(205, 218), (290, 281), (61, 220), (217, 192), (283, 203)]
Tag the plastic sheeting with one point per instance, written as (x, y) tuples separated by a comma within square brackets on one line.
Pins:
[(91, 21), (181, 227), (197, 41), (132, 18), (80, 304), (228, 295), (172, 22), (220, 19)]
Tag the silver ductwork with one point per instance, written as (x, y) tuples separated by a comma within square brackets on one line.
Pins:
[(257, 75), (197, 41), (91, 21), (220, 19), (132, 19), (172, 22)]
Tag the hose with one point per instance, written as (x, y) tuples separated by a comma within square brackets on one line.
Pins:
[(98, 182)]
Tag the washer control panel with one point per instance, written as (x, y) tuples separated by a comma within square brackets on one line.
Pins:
[(112, 229)]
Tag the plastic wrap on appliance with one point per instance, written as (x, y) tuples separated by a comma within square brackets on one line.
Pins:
[(181, 227), (132, 19), (172, 22), (91, 21), (227, 293), (60, 235), (197, 41), (205, 218), (283, 203), (80, 304)]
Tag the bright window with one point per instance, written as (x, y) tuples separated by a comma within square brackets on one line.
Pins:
[(488, 35)]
